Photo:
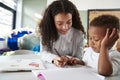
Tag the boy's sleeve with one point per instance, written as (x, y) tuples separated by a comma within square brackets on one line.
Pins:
[(87, 56)]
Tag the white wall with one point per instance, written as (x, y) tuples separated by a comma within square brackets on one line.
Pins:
[(26, 10), (94, 4), (82, 5), (30, 8)]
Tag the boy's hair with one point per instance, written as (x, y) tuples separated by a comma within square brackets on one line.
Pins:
[(106, 21), (48, 30)]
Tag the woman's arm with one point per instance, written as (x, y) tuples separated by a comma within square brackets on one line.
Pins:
[(78, 45), (46, 55)]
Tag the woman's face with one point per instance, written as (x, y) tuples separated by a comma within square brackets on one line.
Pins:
[(63, 22)]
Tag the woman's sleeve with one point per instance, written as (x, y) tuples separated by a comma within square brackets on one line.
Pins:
[(78, 45), (46, 55), (115, 58)]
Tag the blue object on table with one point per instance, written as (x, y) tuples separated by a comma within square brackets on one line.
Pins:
[(36, 48), (20, 34), (13, 43), (2, 39)]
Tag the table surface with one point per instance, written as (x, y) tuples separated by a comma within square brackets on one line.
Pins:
[(25, 54), (21, 54)]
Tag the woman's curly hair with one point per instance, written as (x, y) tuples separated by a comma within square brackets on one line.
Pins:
[(47, 27)]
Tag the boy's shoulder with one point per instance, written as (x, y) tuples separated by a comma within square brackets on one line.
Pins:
[(88, 50)]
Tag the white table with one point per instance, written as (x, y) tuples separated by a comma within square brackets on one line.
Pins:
[(21, 54), (24, 54), (81, 73), (77, 72)]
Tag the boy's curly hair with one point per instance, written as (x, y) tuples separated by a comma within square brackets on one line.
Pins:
[(48, 30), (106, 21)]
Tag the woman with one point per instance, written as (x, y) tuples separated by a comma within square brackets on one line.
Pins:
[(61, 30)]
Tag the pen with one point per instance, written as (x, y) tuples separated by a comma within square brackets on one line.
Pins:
[(63, 61), (57, 52)]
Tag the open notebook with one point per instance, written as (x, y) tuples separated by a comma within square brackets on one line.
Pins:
[(78, 73), (21, 65), (81, 73)]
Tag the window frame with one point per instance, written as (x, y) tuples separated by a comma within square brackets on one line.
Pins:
[(11, 10)]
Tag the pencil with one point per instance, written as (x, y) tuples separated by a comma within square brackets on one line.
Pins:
[(57, 52)]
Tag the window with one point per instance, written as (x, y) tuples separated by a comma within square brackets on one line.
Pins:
[(7, 18)]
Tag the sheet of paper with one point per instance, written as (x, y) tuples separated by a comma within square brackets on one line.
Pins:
[(76, 72), (81, 73), (21, 65)]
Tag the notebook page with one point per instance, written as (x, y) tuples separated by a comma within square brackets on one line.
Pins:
[(81, 73)]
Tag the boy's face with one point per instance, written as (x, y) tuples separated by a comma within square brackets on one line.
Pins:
[(96, 34)]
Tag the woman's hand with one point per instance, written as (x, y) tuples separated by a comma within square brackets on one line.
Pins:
[(74, 61), (60, 61), (64, 60)]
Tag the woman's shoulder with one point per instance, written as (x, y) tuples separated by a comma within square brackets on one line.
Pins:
[(77, 32)]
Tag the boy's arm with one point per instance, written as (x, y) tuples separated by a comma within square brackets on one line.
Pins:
[(104, 62)]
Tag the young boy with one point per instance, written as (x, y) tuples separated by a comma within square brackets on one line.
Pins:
[(103, 33)]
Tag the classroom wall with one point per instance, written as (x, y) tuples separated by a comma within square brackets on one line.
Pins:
[(84, 19), (94, 4), (30, 7)]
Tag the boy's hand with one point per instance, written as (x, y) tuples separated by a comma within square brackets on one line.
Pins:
[(110, 38)]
